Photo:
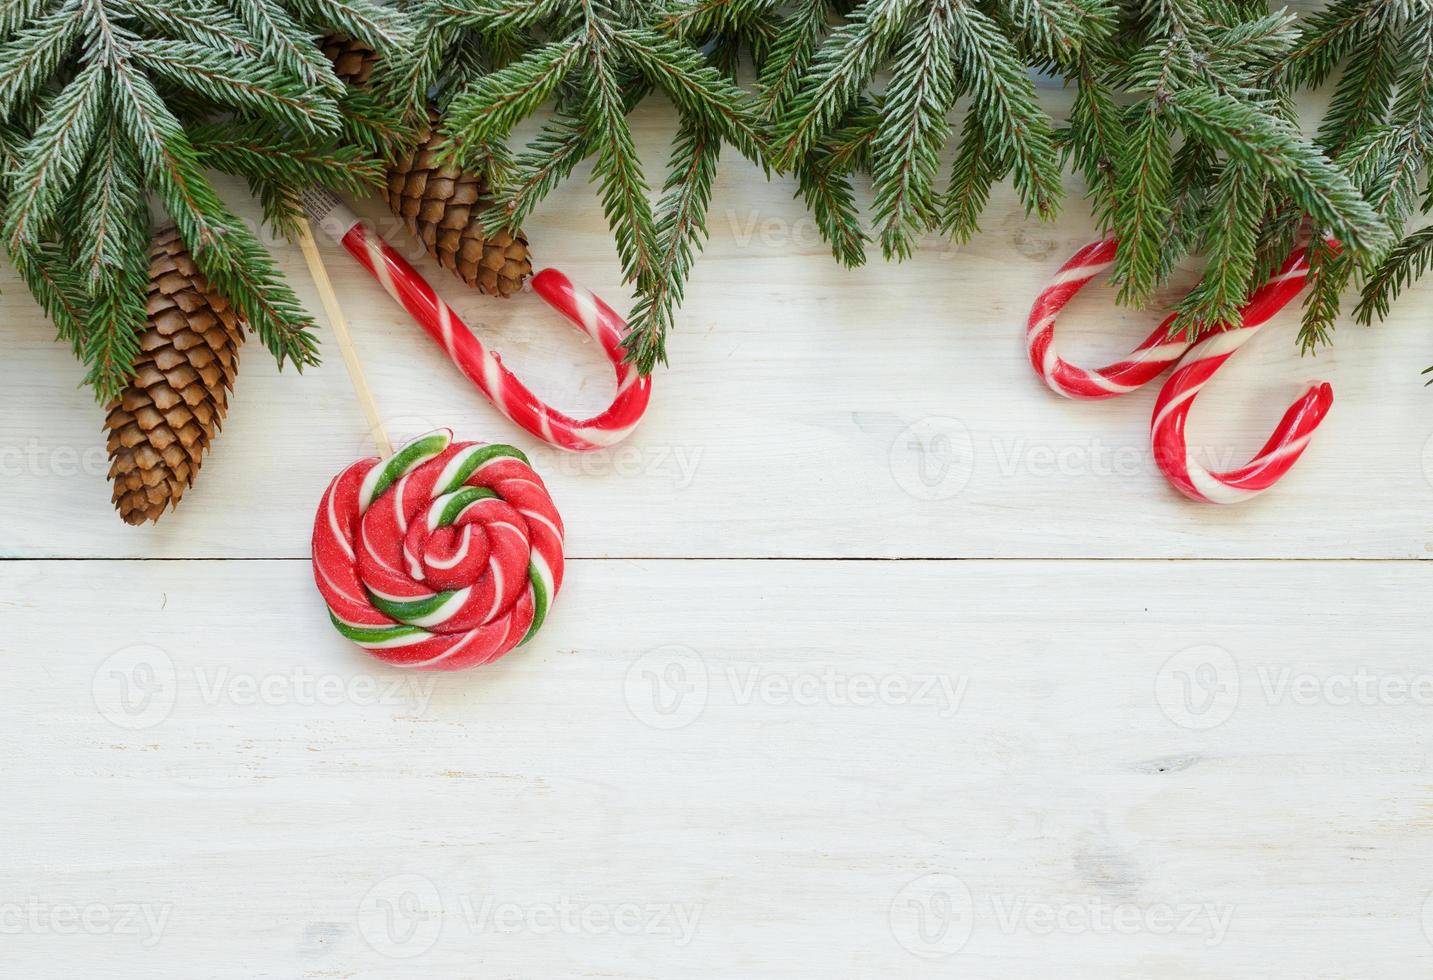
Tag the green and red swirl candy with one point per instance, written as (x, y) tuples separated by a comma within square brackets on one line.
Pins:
[(445, 555)]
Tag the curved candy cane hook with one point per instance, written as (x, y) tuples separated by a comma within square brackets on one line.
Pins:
[(1144, 364), (484, 367), (1290, 438)]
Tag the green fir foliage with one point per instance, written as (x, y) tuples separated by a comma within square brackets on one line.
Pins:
[(106, 105)]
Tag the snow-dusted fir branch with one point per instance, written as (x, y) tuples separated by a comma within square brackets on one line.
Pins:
[(105, 103)]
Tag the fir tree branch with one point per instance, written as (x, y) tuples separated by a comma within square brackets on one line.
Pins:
[(29, 59), (1406, 263), (1327, 39), (1095, 137), (1329, 273), (1231, 244), (51, 161), (790, 56), (225, 80), (1140, 214), (832, 201), (680, 232), (1005, 98), (1057, 29), (697, 89), (15, 14), (617, 168), (490, 15), (375, 24), (1269, 145), (50, 279), (111, 213), (906, 153), (976, 168), (1363, 96), (244, 273), (286, 44), (550, 157), (498, 101), (168, 159), (840, 71), (248, 148), (188, 22)]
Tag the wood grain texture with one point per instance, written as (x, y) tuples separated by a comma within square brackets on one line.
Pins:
[(762, 759)]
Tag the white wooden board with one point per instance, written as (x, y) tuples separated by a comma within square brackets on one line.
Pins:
[(757, 769)]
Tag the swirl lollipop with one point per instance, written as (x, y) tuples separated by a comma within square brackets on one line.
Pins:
[(444, 555), (440, 555)]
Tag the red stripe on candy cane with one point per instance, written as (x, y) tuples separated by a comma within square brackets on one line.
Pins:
[(1147, 362), (484, 367), (1291, 436)]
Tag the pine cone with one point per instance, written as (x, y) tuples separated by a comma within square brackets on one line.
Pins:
[(353, 60), (440, 204), (162, 424)]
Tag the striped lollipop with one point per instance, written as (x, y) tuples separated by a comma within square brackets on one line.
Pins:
[(442, 556)]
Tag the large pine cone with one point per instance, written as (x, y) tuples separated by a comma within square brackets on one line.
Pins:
[(439, 204), (162, 424)]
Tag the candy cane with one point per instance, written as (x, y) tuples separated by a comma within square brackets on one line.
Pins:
[(1144, 364), (1290, 438), (484, 367)]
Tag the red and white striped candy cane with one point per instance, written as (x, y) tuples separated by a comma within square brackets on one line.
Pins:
[(484, 367), (1147, 362), (1290, 438)]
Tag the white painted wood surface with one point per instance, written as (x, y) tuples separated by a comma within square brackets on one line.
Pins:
[(730, 754)]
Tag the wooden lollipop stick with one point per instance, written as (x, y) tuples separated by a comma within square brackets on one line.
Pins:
[(336, 320)]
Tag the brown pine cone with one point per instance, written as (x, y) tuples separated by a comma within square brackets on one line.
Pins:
[(353, 60), (439, 204), (162, 424)]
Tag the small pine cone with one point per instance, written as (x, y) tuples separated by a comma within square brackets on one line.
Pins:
[(353, 60), (439, 204), (162, 423)]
